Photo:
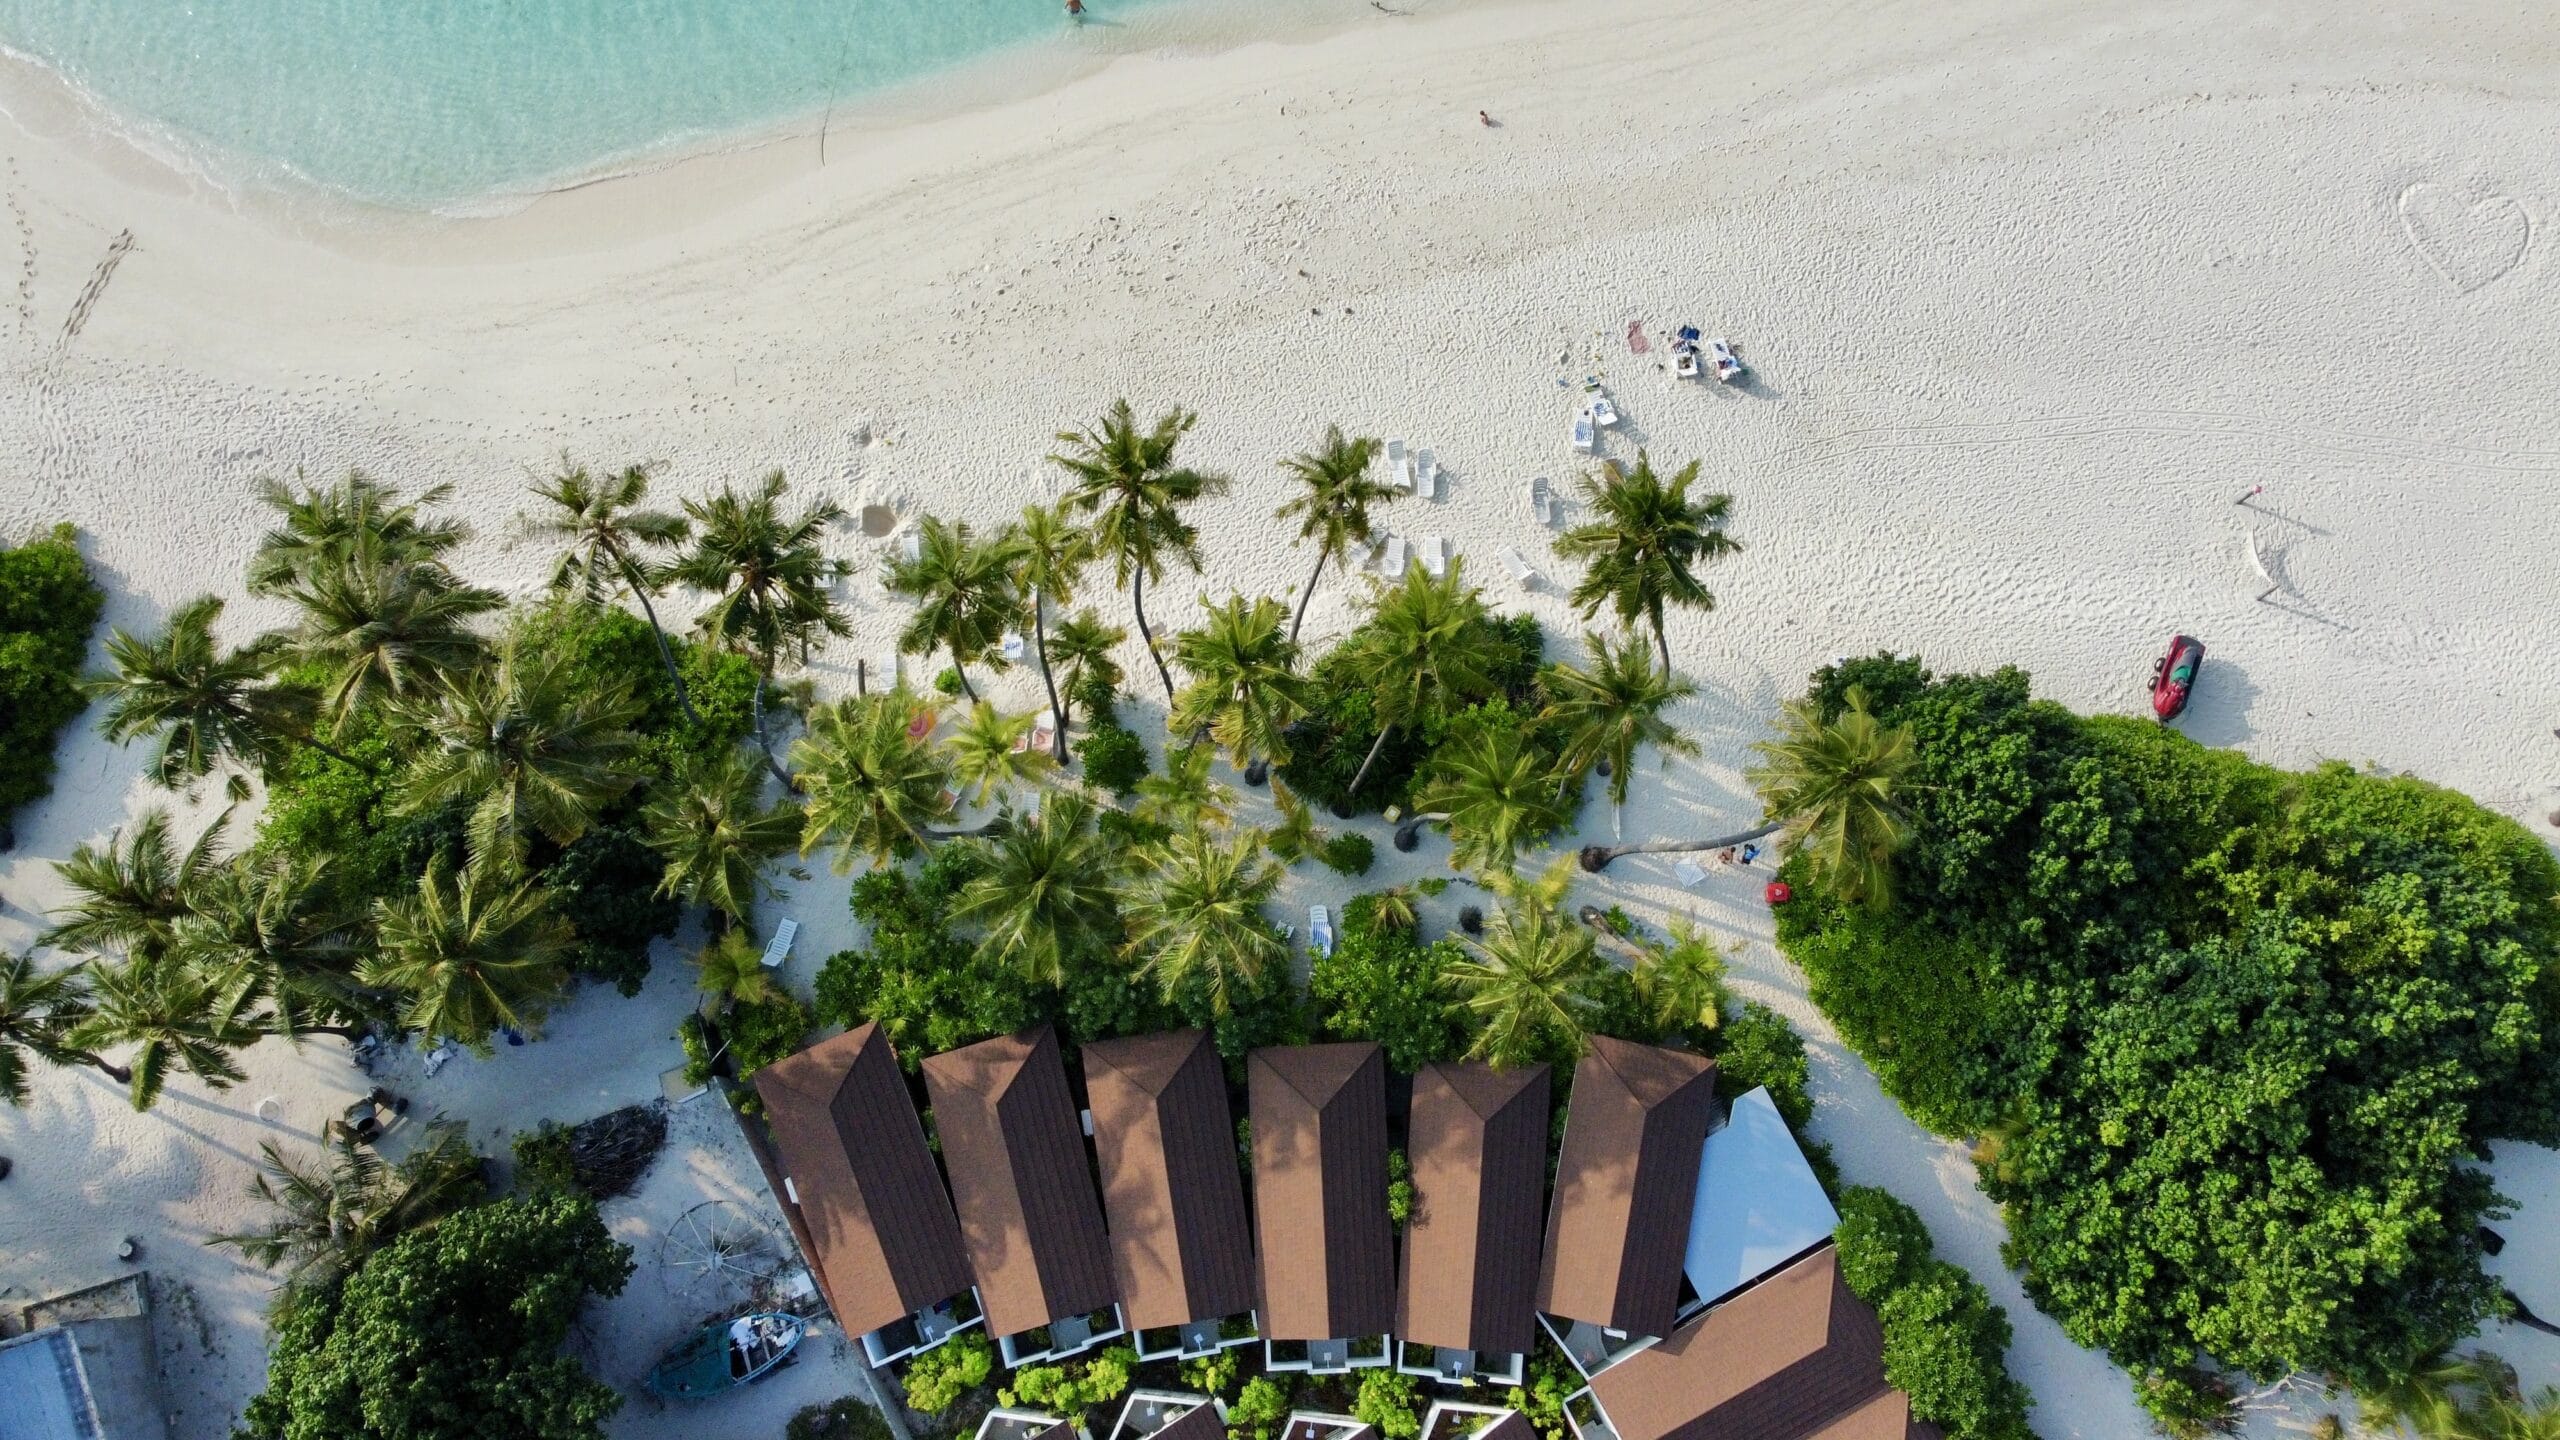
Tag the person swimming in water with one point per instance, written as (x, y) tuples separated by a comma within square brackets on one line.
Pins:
[(1075, 9)]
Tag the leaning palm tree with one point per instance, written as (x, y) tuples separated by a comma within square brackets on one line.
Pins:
[(326, 1221), (1607, 711), (1082, 647), (872, 786), (1641, 552), (383, 627), (129, 895), (963, 592), (39, 1010), (173, 1015), (604, 537), (1127, 481), (1182, 796), (265, 929), (1245, 687), (1195, 919), (205, 705), (1424, 644), (1521, 987), (1050, 554), (1333, 507), (528, 749), (1835, 786), (2429, 1396), (715, 832), (469, 952), (1496, 793), (322, 527), (730, 972), (1047, 889), (769, 579), (989, 752)]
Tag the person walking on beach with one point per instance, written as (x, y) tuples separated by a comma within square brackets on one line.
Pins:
[(1484, 119)]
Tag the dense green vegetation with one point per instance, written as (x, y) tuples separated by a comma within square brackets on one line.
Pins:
[(2230, 1035), (1945, 1341), (47, 607)]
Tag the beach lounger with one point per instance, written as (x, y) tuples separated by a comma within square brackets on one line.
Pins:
[(1435, 556), (436, 1059), (911, 546), (1685, 363), (1584, 436), (1012, 647), (1392, 563), (1541, 497), (778, 949), (1399, 467), (1728, 364), (1602, 412), (1689, 872), (1520, 568), (1042, 731), (1320, 929), (1426, 482)]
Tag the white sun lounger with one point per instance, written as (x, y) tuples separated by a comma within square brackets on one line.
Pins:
[(1520, 568), (1688, 871), (1012, 647), (1583, 434), (911, 546), (1426, 481), (1320, 928), (1541, 496), (1685, 364), (1728, 364), (1392, 561), (778, 949), (1435, 556), (1399, 467), (1603, 413)]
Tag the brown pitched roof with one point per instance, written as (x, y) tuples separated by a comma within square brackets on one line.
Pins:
[(1794, 1357), (1200, 1422), (880, 1229), (1478, 1141), (1625, 1182), (1181, 1247), (1510, 1424), (1320, 1191), (1011, 1140)]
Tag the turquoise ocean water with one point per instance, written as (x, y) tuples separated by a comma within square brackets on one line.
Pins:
[(434, 103)]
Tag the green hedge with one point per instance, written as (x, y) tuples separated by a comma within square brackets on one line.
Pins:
[(1945, 1342), (48, 606)]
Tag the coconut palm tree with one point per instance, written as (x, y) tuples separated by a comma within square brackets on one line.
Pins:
[(172, 1014), (1183, 796), (769, 579), (1681, 985), (1127, 481), (1195, 918), (1641, 552), (129, 895), (1425, 642), (870, 785), (264, 929), (1296, 837), (205, 706), (1521, 987), (1333, 508), (1050, 554), (963, 589), (715, 832), (323, 527), (1047, 889), (1082, 647), (384, 627), (39, 1011), (2430, 1396), (604, 537), (469, 952), (988, 752), (521, 742), (730, 972), (1245, 687), (2513, 1417), (1608, 710), (328, 1219), (1834, 786), (1496, 793)]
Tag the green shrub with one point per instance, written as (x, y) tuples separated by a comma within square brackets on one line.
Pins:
[(48, 605), (946, 681), (1261, 1409), (928, 988), (1328, 745), (1070, 1390), (847, 1419), (1212, 1374), (697, 1050), (1114, 759), (1381, 984), (1946, 1342), (2188, 1404), (1542, 1402), (763, 1031), (1882, 1243), (1755, 1047), (1349, 853), (543, 1161), (606, 886), (1400, 1193), (1391, 1401), (936, 1379)]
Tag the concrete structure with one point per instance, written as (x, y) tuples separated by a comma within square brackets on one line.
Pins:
[(87, 1369)]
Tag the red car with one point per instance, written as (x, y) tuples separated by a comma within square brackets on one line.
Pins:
[(2173, 676)]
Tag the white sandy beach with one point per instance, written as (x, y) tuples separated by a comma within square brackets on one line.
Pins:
[(2031, 293)]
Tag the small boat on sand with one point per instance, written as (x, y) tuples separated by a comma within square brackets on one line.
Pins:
[(727, 1354)]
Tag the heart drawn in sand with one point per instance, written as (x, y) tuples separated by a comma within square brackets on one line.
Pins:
[(2470, 245)]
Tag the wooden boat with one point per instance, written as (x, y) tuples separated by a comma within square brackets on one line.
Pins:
[(722, 1356)]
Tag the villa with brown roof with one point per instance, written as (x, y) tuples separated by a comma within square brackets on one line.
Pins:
[(1028, 1215), (862, 1195), (1794, 1357), (1466, 1304), (1626, 1181), (1181, 1244), (1320, 1205)]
